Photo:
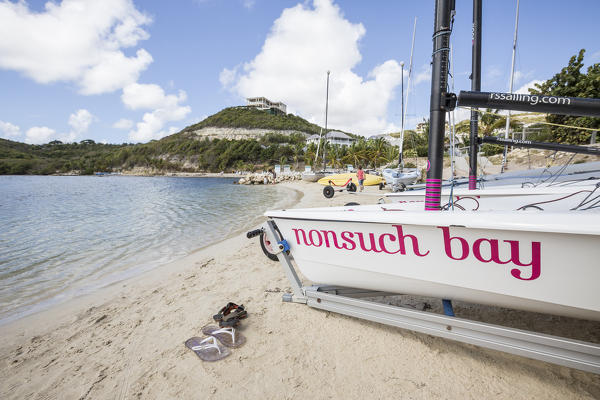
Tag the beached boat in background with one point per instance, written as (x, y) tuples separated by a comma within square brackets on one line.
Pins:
[(579, 195), (343, 179), (398, 180)]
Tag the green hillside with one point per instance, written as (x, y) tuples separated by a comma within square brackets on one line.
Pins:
[(251, 118), (86, 156), (178, 152)]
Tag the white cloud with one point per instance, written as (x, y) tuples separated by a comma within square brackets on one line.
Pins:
[(148, 96), (424, 75), (9, 131), (227, 77), (531, 84), (292, 65), (39, 134), (114, 71), (521, 76), (166, 108), (123, 124), (78, 41), (79, 122)]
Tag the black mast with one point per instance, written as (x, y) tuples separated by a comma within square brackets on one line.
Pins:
[(531, 102), (444, 9), (476, 87)]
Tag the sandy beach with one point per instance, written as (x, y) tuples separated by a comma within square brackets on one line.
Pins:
[(127, 341)]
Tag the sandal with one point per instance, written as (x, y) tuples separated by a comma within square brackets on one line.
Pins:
[(227, 336), (208, 349), (230, 311), (231, 323)]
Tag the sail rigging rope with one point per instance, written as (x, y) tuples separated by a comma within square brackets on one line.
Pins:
[(542, 123)]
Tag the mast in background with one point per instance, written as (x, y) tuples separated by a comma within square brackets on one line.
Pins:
[(444, 11), (476, 87), (326, 111), (400, 159), (405, 103), (512, 75)]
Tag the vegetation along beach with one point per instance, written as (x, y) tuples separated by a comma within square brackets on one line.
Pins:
[(169, 173)]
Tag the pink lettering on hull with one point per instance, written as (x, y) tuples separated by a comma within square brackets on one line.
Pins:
[(484, 250)]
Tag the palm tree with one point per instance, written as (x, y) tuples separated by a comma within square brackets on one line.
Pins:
[(309, 154), (492, 120), (356, 153), (297, 149), (335, 153), (377, 151), (391, 154)]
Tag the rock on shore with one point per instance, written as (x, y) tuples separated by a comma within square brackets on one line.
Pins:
[(266, 178)]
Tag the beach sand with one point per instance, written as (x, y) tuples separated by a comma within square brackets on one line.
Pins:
[(127, 341)]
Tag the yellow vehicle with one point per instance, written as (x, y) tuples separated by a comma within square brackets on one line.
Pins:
[(345, 179)]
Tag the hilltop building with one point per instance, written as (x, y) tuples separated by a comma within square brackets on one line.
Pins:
[(333, 137), (262, 103)]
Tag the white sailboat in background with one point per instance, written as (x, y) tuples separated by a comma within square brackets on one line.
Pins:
[(313, 176), (398, 179)]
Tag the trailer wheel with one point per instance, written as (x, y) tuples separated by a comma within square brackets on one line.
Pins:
[(269, 248), (352, 203), (351, 187), (328, 192), (381, 186)]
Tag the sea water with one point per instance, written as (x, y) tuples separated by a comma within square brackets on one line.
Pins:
[(64, 236)]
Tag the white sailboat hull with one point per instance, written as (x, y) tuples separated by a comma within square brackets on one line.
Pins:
[(555, 198), (531, 261), (396, 179)]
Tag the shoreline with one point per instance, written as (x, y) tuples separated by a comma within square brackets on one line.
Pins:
[(98, 293), (129, 342)]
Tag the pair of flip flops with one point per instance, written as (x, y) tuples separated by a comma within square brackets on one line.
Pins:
[(230, 315), (217, 344)]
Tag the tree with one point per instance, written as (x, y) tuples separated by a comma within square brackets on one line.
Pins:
[(297, 148), (571, 82), (309, 154), (377, 151)]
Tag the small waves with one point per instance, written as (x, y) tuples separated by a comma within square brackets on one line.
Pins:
[(65, 236)]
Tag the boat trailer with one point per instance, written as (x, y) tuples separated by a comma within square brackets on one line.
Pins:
[(328, 191), (571, 353)]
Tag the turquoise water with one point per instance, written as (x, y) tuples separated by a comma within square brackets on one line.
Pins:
[(63, 236)]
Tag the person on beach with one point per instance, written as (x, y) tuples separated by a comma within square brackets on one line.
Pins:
[(360, 175)]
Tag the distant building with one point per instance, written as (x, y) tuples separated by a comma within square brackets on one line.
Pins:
[(312, 139), (262, 103), (420, 128), (333, 137)]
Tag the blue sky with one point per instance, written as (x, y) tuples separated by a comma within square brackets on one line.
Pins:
[(131, 71)]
